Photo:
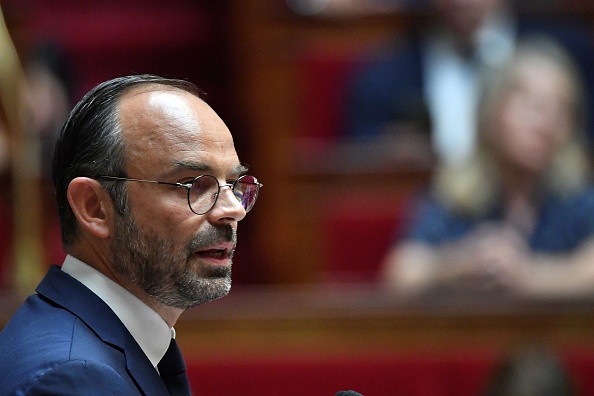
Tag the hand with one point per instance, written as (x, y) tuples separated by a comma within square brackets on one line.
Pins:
[(493, 256)]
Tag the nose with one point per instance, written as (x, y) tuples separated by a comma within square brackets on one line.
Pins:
[(227, 208)]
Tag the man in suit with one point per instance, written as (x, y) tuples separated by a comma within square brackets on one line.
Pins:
[(431, 81), (150, 191)]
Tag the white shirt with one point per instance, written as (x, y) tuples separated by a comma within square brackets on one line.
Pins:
[(149, 330), (452, 86)]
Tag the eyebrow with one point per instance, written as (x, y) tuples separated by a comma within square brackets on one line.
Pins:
[(201, 167)]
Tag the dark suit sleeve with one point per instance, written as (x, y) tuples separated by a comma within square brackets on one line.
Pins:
[(80, 378)]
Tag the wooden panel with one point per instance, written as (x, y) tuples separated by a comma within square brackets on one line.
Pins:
[(359, 318)]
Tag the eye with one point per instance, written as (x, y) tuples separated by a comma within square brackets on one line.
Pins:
[(186, 183), (205, 184)]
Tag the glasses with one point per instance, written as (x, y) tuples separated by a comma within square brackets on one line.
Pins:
[(204, 190)]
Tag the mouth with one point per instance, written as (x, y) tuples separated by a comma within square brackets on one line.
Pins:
[(220, 254)]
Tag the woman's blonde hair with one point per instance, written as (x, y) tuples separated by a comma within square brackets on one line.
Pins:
[(473, 188)]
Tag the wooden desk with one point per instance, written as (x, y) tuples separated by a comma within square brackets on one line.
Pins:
[(317, 340), (364, 318)]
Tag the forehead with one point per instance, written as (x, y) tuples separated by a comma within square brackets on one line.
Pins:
[(543, 77), (163, 127)]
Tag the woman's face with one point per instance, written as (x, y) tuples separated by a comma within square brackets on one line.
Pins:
[(533, 116)]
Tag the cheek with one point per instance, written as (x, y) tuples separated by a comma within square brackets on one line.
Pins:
[(513, 129), (498, 130), (510, 119), (160, 213)]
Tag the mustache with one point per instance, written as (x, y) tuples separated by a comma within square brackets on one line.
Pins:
[(212, 236)]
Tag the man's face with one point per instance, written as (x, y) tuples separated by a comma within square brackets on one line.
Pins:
[(465, 17), (175, 256)]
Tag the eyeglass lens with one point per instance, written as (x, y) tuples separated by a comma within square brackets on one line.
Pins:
[(205, 190)]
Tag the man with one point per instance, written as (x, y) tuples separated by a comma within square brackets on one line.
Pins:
[(150, 191)]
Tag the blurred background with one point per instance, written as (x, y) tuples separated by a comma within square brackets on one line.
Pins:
[(310, 312)]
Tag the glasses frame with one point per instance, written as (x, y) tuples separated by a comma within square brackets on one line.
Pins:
[(188, 186)]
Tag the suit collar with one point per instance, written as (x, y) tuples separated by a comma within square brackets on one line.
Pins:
[(147, 327), (67, 292)]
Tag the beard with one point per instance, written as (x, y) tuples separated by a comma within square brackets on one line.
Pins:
[(174, 277)]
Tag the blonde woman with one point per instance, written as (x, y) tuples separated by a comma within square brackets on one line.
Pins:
[(520, 215)]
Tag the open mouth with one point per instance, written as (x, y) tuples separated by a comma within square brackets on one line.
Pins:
[(214, 253), (220, 253)]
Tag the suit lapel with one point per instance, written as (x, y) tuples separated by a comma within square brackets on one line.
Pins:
[(72, 295), (142, 371)]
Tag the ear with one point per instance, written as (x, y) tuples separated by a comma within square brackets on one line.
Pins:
[(91, 205)]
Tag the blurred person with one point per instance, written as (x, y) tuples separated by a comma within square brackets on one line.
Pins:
[(532, 370), (150, 191), (50, 85), (429, 81), (12, 128), (520, 215), (48, 98), (6, 215)]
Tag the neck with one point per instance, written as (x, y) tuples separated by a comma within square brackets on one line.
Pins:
[(97, 257)]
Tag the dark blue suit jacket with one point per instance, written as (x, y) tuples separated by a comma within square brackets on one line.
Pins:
[(66, 341)]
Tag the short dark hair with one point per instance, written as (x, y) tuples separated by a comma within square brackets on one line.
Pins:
[(90, 144)]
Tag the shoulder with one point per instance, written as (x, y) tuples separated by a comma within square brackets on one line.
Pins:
[(396, 61), (78, 377), (564, 222), (433, 222), (574, 212), (43, 339), (38, 328), (577, 202)]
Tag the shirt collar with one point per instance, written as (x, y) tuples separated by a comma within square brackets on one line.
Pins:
[(495, 41), (149, 330)]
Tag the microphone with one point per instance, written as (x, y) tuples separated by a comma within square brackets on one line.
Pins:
[(348, 393)]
